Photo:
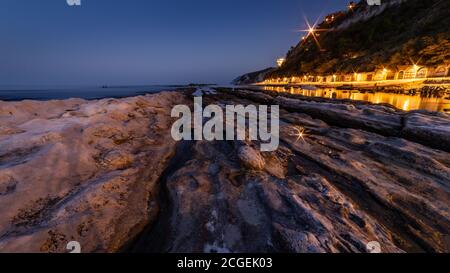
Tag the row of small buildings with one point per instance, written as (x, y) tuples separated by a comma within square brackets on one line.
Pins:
[(406, 72)]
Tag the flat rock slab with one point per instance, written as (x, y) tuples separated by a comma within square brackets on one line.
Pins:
[(337, 189), (108, 175), (83, 171)]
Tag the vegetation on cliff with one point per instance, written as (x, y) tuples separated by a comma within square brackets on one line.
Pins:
[(366, 38)]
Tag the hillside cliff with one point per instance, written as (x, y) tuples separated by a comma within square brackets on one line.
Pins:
[(252, 77), (365, 38)]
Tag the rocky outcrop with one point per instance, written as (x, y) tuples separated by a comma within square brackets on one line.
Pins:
[(428, 128), (83, 171), (108, 175), (334, 190)]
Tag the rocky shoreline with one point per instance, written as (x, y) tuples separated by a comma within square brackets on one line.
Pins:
[(108, 175)]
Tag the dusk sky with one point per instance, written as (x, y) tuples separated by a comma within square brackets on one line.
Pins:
[(133, 42)]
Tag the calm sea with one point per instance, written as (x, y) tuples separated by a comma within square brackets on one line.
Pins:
[(14, 93)]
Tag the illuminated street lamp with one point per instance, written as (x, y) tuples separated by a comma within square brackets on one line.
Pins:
[(351, 6), (281, 61), (313, 32)]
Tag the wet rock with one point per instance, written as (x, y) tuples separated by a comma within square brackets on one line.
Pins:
[(250, 158), (428, 129), (264, 214), (335, 190), (345, 115)]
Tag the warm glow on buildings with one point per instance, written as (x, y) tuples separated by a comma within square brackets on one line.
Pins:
[(402, 101), (398, 74), (389, 74)]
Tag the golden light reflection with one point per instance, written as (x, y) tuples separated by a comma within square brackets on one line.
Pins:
[(406, 105), (400, 101)]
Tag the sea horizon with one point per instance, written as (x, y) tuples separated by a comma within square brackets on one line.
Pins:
[(88, 92)]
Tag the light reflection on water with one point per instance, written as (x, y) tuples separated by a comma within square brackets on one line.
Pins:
[(400, 101)]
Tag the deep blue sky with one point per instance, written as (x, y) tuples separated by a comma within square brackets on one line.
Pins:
[(118, 42)]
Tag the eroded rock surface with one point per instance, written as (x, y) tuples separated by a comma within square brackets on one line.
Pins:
[(78, 170), (334, 190), (108, 174)]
